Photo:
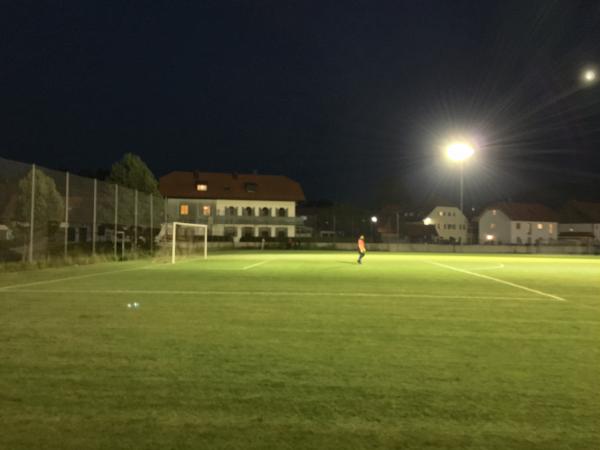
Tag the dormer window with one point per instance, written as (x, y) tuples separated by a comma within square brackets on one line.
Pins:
[(251, 187), (201, 187)]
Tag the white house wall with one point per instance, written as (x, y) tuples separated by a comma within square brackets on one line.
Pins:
[(219, 208), (450, 223), (497, 225)]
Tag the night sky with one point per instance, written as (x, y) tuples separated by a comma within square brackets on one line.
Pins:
[(352, 99)]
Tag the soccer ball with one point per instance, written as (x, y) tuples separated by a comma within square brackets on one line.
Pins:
[(136, 305), (129, 305)]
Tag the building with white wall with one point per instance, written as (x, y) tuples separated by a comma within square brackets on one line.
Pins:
[(449, 222), (518, 223), (233, 205)]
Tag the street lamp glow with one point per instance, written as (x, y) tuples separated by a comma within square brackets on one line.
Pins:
[(459, 151), (374, 219), (427, 221)]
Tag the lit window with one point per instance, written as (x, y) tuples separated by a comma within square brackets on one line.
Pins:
[(206, 210), (441, 213), (201, 187), (493, 212), (184, 209), (489, 237), (551, 228), (492, 226), (540, 226)]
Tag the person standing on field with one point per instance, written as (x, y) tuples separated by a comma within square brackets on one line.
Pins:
[(362, 249)]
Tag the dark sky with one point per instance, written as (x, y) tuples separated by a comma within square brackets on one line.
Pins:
[(350, 98)]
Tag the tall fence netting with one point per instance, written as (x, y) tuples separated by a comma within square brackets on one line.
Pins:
[(48, 215)]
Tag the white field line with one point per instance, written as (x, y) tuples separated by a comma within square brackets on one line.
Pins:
[(256, 264), (497, 280), (263, 293), (499, 266), (75, 277)]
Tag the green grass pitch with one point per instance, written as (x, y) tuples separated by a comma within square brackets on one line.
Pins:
[(303, 351)]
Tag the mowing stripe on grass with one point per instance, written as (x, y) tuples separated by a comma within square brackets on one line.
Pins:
[(256, 264), (263, 293), (498, 280), (75, 277)]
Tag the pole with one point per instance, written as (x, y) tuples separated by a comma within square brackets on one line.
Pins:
[(206, 242), (94, 218), (151, 223), (398, 225), (135, 221), (32, 214), (67, 215), (461, 186), (173, 243), (116, 211)]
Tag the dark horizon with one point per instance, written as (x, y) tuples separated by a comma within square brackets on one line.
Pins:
[(350, 101)]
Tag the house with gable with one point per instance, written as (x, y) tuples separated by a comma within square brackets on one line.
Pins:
[(518, 223), (450, 223), (234, 205)]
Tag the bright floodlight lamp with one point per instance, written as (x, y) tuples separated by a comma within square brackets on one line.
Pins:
[(374, 219), (459, 151), (589, 76)]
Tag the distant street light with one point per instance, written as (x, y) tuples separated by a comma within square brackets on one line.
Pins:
[(373, 222), (460, 152)]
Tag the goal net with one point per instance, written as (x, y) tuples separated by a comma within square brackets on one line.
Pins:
[(188, 240)]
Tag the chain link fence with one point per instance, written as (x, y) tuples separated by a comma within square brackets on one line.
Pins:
[(47, 215)]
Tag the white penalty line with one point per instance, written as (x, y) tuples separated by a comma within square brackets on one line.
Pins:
[(498, 280), (256, 264), (263, 293)]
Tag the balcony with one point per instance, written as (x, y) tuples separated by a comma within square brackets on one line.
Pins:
[(257, 220), (243, 220)]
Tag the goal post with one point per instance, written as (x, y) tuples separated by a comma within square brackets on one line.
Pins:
[(195, 227)]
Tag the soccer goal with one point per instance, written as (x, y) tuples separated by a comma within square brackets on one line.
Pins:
[(189, 239)]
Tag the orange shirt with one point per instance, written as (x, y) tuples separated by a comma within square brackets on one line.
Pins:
[(361, 245)]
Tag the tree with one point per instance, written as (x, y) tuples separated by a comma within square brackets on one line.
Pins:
[(49, 208), (133, 173)]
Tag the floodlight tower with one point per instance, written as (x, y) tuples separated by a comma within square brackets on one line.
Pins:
[(459, 152)]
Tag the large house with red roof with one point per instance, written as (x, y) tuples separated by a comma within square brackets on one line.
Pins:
[(234, 205), (518, 223)]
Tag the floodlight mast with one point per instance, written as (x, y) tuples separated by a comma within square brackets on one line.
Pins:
[(459, 152)]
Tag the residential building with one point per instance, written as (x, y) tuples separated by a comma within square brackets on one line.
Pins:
[(234, 205), (518, 223), (580, 221), (449, 222)]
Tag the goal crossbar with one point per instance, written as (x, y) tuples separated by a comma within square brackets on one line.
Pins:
[(193, 225)]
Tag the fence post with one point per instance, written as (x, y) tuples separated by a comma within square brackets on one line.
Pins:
[(116, 211), (151, 224), (66, 215), (135, 221), (94, 219), (31, 214)]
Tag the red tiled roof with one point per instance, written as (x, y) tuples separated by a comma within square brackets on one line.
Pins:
[(580, 212), (181, 184), (526, 211)]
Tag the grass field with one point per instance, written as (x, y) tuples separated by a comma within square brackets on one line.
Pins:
[(304, 351)]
